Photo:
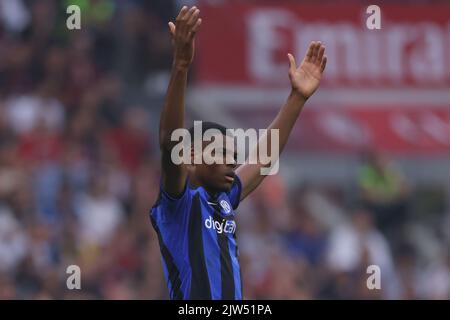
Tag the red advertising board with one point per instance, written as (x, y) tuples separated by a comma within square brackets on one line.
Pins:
[(388, 89), (397, 130), (245, 43)]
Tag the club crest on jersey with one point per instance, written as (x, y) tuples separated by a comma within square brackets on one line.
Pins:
[(225, 206)]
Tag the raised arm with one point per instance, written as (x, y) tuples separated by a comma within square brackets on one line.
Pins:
[(172, 116), (304, 81)]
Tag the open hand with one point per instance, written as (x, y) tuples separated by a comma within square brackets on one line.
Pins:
[(306, 78), (183, 33)]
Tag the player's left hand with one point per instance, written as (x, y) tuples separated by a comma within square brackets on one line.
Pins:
[(306, 78)]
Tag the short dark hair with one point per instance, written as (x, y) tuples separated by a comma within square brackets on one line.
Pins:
[(209, 125)]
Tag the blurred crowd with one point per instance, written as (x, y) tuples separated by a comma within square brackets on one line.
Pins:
[(79, 171)]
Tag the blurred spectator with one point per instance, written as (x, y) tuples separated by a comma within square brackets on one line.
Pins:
[(24, 113), (384, 192), (13, 241), (435, 281), (359, 244), (305, 237), (14, 15), (100, 213), (130, 140)]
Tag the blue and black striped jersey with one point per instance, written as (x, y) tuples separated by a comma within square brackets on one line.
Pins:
[(197, 238)]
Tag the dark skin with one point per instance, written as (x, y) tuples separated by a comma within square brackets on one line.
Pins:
[(215, 178)]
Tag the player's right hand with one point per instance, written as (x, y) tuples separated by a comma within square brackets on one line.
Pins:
[(183, 33)]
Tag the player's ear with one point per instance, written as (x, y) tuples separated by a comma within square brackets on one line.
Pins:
[(192, 154), (172, 29), (196, 154)]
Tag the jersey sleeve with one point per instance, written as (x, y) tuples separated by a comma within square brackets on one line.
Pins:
[(169, 208), (234, 195)]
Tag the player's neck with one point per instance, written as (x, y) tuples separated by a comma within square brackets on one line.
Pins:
[(195, 182)]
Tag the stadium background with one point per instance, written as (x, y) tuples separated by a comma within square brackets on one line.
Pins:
[(79, 159)]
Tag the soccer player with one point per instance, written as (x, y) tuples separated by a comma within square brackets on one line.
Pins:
[(194, 214)]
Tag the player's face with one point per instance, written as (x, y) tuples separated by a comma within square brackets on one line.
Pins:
[(218, 176)]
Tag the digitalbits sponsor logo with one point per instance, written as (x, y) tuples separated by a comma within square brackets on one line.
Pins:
[(224, 226)]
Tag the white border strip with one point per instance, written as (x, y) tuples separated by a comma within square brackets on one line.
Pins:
[(249, 97)]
